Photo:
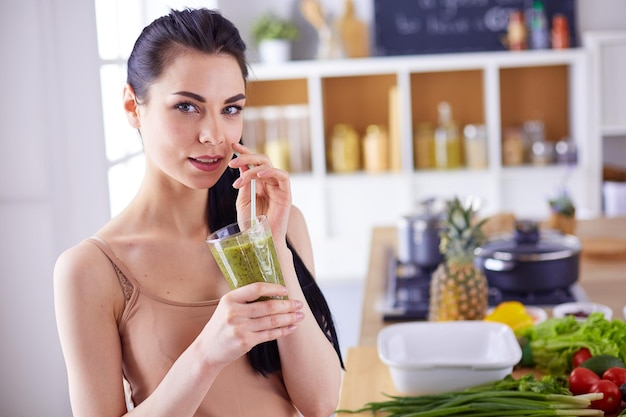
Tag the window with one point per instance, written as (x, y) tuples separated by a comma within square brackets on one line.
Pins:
[(119, 22)]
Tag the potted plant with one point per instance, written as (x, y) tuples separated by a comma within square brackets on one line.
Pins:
[(273, 35), (562, 212)]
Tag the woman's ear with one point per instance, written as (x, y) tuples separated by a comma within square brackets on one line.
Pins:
[(131, 108)]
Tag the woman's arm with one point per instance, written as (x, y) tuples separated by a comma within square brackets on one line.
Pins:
[(88, 300), (310, 365)]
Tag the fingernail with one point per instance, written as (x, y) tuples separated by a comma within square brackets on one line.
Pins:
[(300, 315), (299, 304), (237, 182)]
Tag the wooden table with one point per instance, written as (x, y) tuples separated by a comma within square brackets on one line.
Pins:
[(367, 378)]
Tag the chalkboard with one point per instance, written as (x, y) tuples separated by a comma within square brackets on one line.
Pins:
[(405, 27)]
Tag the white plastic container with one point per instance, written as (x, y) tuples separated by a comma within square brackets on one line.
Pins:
[(614, 198), (434, 357)]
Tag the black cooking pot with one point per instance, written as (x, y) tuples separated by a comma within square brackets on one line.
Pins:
[(531, 261)]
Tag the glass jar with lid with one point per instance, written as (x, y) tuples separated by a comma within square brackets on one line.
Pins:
[(424, 146), (475, 146), (345, 149)]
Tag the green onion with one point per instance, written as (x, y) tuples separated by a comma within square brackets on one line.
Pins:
[(500, 399)]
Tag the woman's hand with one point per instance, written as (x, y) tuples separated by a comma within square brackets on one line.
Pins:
[(273, 189), (240, 323)]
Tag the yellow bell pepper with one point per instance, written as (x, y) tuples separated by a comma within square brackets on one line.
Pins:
[(513, 314)]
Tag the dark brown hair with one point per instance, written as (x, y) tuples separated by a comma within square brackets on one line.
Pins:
[(159, 43)]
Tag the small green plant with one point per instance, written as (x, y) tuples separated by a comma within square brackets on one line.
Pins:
[(270, 26), (562, 204)]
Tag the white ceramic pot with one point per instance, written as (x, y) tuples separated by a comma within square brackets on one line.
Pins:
[(274, 51)]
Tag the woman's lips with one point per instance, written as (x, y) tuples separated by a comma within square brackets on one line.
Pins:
[(206, 163)]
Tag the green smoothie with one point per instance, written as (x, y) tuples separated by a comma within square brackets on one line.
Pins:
[(244, 260)]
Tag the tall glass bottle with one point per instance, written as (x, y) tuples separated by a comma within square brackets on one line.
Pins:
[(538, 25), (560, 32), (447, 140)]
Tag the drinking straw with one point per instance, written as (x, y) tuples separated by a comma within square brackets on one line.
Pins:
[(253, 202), (252, 196)]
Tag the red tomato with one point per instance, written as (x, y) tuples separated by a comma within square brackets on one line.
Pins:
[(581, 380), (612, 396), (580, 356), (615, 375)]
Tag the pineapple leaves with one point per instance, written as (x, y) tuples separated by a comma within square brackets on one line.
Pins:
[(460, 234)]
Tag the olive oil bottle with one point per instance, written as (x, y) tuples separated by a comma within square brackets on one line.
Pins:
[(448, 152)]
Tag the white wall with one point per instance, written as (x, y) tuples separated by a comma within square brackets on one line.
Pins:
[(52, 186), (53, 174)]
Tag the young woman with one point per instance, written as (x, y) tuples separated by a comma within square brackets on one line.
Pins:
[(143, 302)]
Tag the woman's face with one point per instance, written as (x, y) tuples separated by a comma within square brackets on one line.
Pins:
[(191, 118)]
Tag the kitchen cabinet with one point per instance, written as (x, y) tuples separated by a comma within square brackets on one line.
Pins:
[(497, 89), (608, 109)]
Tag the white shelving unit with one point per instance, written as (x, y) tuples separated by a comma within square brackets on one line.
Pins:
[(341, 209), (607, 108), (608, 59)]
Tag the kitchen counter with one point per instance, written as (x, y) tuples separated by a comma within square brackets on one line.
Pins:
[(366, 379)]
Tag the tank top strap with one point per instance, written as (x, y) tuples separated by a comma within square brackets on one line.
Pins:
[(127, 281)]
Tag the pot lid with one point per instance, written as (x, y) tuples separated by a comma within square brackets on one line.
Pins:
[(528, 244), (430, 214), (421, 221)]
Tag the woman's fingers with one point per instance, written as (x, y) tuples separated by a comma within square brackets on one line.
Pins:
[(252, 292), (265, 314), (256, 166), (254, 322), (240, 323), (247, 160), (272, 191)]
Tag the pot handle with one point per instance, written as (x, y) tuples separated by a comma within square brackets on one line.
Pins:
[(498, 265)]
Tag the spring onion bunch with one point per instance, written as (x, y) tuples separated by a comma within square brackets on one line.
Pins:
[(526, 396)]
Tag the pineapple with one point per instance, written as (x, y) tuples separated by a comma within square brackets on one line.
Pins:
[(458, 289)]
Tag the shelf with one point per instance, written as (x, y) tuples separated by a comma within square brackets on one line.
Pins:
[(462, 89), (537, 93), (498, 89), (614, 130), (358, 100), (277, 92), (413, 63)]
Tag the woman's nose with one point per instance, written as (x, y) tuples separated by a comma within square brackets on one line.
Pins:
[(212, 133), (211, 139)]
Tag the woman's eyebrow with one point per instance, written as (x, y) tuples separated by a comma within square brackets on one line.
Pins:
[(189, 94), (201, 99), (235, 98)]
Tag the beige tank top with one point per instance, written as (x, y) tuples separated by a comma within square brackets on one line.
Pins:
[(155, 331)]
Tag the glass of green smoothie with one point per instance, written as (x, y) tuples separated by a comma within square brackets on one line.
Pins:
[(245, 253)]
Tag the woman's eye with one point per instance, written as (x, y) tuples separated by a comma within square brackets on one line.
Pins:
[(187, 107), (232, 110)]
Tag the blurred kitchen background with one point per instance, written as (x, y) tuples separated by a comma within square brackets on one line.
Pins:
[(69, 162)]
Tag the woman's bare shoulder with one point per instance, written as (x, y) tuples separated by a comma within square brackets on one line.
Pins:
[(85, 271)]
